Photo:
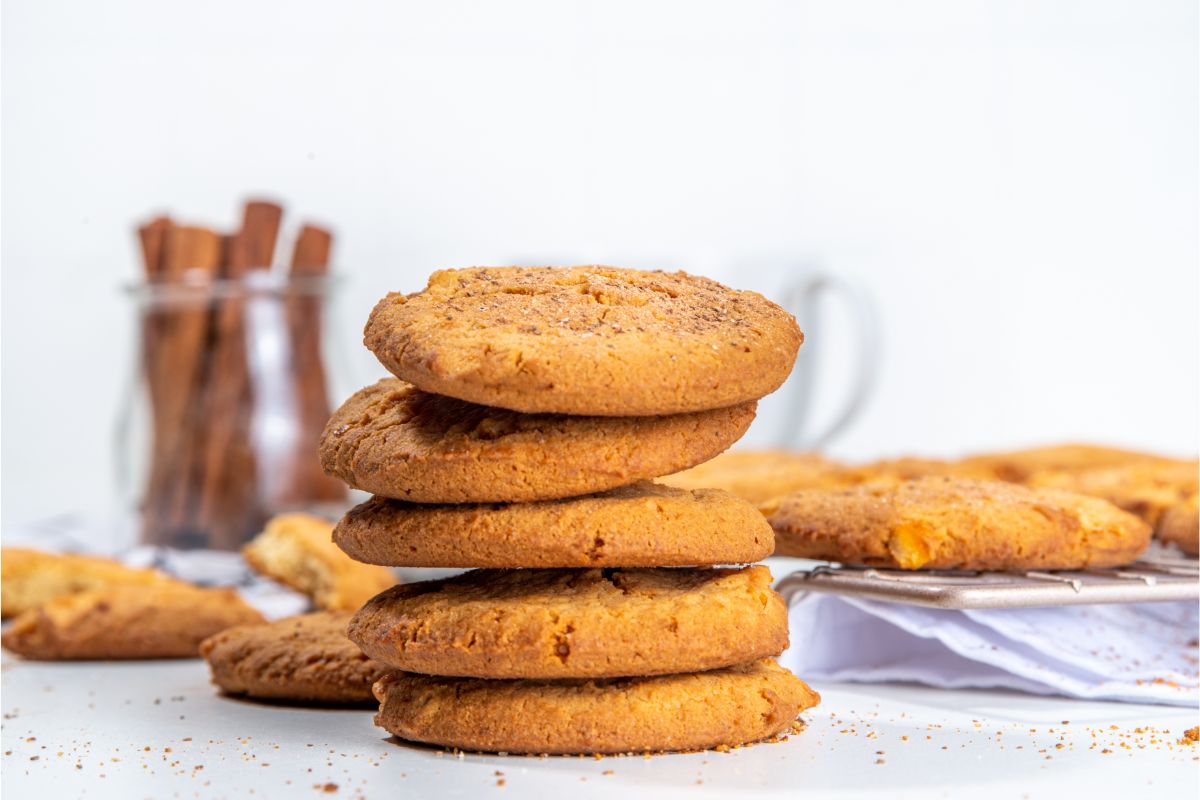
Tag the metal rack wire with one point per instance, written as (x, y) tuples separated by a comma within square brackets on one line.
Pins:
[(1154, 579)]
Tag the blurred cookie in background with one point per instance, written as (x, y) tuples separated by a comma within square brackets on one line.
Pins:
[(909, 468), (167, 620), (1018, 465), (29, 578), (759, 476), (1180, 525), (303, 660), (297, 550), (1144, 488)]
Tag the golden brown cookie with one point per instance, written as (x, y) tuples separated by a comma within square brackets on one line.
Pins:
[(1180, 525), (550, 624), (643, 525), (126, 622), (29, 578), (298, 551), (595, 341), (957, 523), (759, 476), (302, 659), (907, 468), (1017, 465), (1144, 488), (695, 711), (394, 440), (763, 476)]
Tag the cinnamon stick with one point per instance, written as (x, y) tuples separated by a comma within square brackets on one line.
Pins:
[(260, 229), (310, 258), (227, 480), (310, 255), (182, 330), (152, 238)]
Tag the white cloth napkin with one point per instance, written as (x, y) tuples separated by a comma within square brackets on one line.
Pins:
[(1145, 653)]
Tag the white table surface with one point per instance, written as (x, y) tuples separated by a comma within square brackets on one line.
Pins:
[(157, 729)]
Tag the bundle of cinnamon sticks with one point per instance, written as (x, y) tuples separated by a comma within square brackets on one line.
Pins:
[(212, 481)]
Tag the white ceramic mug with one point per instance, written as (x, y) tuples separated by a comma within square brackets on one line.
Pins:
[(794, 428)]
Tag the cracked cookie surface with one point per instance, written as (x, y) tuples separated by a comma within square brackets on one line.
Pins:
[(394, 440), (643, 525), (956, 523), (730, 707), (589, 340), (301, 659), (551, 624)]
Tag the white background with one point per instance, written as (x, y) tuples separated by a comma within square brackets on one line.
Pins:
[(1015, 183)]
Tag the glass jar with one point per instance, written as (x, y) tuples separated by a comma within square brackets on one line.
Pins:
[(222, 416)]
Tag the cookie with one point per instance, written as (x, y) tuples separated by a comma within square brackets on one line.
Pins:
[(302, 659), (1144, 488), (643, 525), (394, 440), (957, 523), (759, 476), (763, 476), (127, 622), (592, 340), (1017, 465), (550, 624), (697, 711), (1180, 525), (29, 578), (907, 468), (298, 551)]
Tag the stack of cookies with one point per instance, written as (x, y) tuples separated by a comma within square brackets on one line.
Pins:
[(531, 409)]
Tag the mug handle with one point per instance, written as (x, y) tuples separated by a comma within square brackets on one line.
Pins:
[(804, 299)]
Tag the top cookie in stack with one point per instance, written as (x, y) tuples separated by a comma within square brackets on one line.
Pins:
[(531, 408), (592, 341)]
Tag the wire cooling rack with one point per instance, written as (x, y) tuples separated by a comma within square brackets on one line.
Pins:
[(1154, 579)]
